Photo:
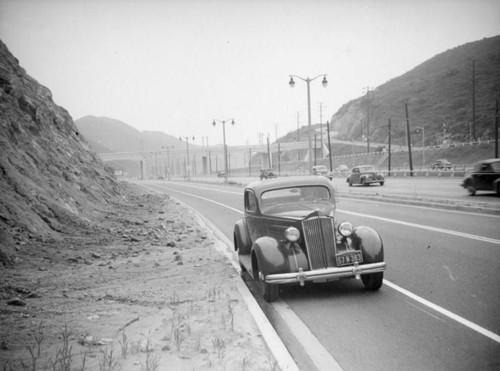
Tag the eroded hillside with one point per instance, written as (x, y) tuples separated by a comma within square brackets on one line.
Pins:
[(50, 180)]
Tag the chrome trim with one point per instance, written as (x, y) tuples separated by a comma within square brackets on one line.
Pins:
[(319, 237), (325, 273)]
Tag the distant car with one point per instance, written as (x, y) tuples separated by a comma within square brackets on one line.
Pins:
[(267, 174), (342, 169), (289, 234), (321, 170), (365, 175), (485, 176), (441, 164), (221, 174)]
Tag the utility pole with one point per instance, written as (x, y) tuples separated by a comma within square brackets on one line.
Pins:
[(298, 128), (329, 146), (367, 119), (250, 161), (408, 139), (389, 159), (315, 151), (321, 123), (496, 130), (474, 99), (268, 153)]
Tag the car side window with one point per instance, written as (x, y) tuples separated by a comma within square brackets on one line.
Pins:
[(485, 167), (250, 201)]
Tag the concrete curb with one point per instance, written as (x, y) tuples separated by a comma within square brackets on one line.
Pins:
[(274, 343)]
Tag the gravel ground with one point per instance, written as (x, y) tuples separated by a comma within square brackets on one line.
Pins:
[(142, 288)]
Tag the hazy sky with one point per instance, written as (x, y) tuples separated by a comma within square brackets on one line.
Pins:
[(174, 66)]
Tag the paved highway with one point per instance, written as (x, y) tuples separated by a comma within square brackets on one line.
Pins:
[(438, 308)]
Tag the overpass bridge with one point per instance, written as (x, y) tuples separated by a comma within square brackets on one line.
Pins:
[(197, 161)]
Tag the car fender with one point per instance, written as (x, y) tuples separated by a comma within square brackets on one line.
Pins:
[(241, 238), (369, 242), (273, 256)]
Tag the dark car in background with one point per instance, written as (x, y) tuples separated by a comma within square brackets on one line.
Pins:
[(365, 175), (441, 164), (267, 174), (485, 176), (289, 234)]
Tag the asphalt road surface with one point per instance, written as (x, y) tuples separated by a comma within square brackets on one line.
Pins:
[(438, 308)]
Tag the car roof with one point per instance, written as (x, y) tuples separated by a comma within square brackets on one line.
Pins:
[(283, 182), (488, 161)]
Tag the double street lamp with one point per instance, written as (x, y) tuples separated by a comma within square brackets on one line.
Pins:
[(308, 80), (223, 122)]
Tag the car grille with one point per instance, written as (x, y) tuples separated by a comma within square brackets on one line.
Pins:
[(319, 236)]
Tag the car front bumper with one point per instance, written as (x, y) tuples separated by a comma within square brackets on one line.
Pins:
[(352, 271)]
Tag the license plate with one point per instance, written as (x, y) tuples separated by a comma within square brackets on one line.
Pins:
[(349, 257)]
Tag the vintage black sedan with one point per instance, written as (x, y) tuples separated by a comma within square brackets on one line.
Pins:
[(267, 174), (289, 234), (365, 175), (485, 176)]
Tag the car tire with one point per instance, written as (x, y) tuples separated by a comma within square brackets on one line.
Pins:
[(373, 281), (269, 292), (472, 190), (363, 183), (381, 183), (350, 183)]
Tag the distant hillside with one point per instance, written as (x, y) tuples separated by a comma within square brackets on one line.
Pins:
[(110, 135), (439, 97)]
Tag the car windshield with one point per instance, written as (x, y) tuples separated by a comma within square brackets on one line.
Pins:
[(368, 168), (294, 198)]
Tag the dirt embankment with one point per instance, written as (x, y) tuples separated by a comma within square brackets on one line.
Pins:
[(143, 288)]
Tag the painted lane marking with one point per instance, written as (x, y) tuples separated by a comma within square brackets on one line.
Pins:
[(321, 358), (347, 199), (429, 228), (445, 312), (409, 294), (199, 197)]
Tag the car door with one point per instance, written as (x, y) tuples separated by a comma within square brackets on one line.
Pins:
[(355, 175)]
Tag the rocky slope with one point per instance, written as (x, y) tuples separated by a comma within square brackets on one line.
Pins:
[(50, 180)]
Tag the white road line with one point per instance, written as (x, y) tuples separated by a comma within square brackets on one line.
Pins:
[(202, 198), (321, 358), (420, 207), (445, 312), (415, 297), (427, 227)]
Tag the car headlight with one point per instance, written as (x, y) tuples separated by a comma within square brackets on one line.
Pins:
[(345, 229), (292, 234)]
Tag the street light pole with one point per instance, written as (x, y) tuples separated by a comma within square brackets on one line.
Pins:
[(188, 165), (308, 80), (223, 122)]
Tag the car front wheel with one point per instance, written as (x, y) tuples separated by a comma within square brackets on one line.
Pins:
[(373, 281), (381, 183)]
